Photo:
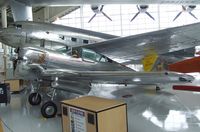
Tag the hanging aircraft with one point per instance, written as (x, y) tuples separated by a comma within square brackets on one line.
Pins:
[(187, 9), (142, 9)]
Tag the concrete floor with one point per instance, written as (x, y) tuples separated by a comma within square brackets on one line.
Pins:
[(148, 111)]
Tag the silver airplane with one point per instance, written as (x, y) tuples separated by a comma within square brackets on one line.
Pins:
[(88, 57), (97, 61)]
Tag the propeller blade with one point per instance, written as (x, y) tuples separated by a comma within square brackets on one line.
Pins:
[(177, 16), (150, 15), (138, 7), (106, 16), (135, 16), (193, 15), (92, 18), (101, 8), (184, 8)]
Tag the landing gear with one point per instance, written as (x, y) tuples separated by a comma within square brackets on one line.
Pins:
[(49, 109), (34, 98)]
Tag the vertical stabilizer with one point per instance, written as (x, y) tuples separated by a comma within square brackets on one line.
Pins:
[(21, 11)]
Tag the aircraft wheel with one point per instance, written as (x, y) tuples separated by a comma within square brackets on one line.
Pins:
[(49, 109), (34, 98)]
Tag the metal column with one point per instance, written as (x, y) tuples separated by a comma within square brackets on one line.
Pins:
[(4, 25)]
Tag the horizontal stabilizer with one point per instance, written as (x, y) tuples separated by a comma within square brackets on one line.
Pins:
[(186, 88), (186, 66)]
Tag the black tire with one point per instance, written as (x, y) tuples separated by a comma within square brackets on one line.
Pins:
[(35, 99), (49, 109)]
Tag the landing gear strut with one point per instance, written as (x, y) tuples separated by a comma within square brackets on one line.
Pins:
[(49, 108), (34, 98)]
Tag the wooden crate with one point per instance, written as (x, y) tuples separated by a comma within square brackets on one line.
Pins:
[(94, 114), (15, 85)]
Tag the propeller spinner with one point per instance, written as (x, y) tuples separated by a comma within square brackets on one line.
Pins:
[(98, 9), (142, 9), (188, 9)]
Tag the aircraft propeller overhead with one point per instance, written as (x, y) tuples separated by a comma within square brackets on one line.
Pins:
[(98, 9), (142, 9), (188, 9)]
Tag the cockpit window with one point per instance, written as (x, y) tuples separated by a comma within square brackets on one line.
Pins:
[(90, 55)]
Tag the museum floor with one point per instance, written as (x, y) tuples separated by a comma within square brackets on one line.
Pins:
[(148, 110)]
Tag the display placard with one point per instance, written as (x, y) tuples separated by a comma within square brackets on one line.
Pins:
[(77, 120)]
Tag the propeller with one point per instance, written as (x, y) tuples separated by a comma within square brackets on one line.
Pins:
[(188, 9), (142, 9), (98, 9)]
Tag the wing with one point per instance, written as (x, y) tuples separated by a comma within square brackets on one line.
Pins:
[(137, 46), (120, 77)]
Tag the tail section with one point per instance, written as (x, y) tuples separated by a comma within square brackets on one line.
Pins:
[(20, 11)]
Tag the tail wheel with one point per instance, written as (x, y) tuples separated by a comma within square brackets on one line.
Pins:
[(49, 109), (34, 98)]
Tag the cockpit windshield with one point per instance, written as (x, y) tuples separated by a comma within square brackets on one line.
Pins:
[(85, 54), (90, 55)]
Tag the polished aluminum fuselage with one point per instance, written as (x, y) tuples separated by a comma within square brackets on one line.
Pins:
[(51, 59), (66, 67), (20, 34)]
